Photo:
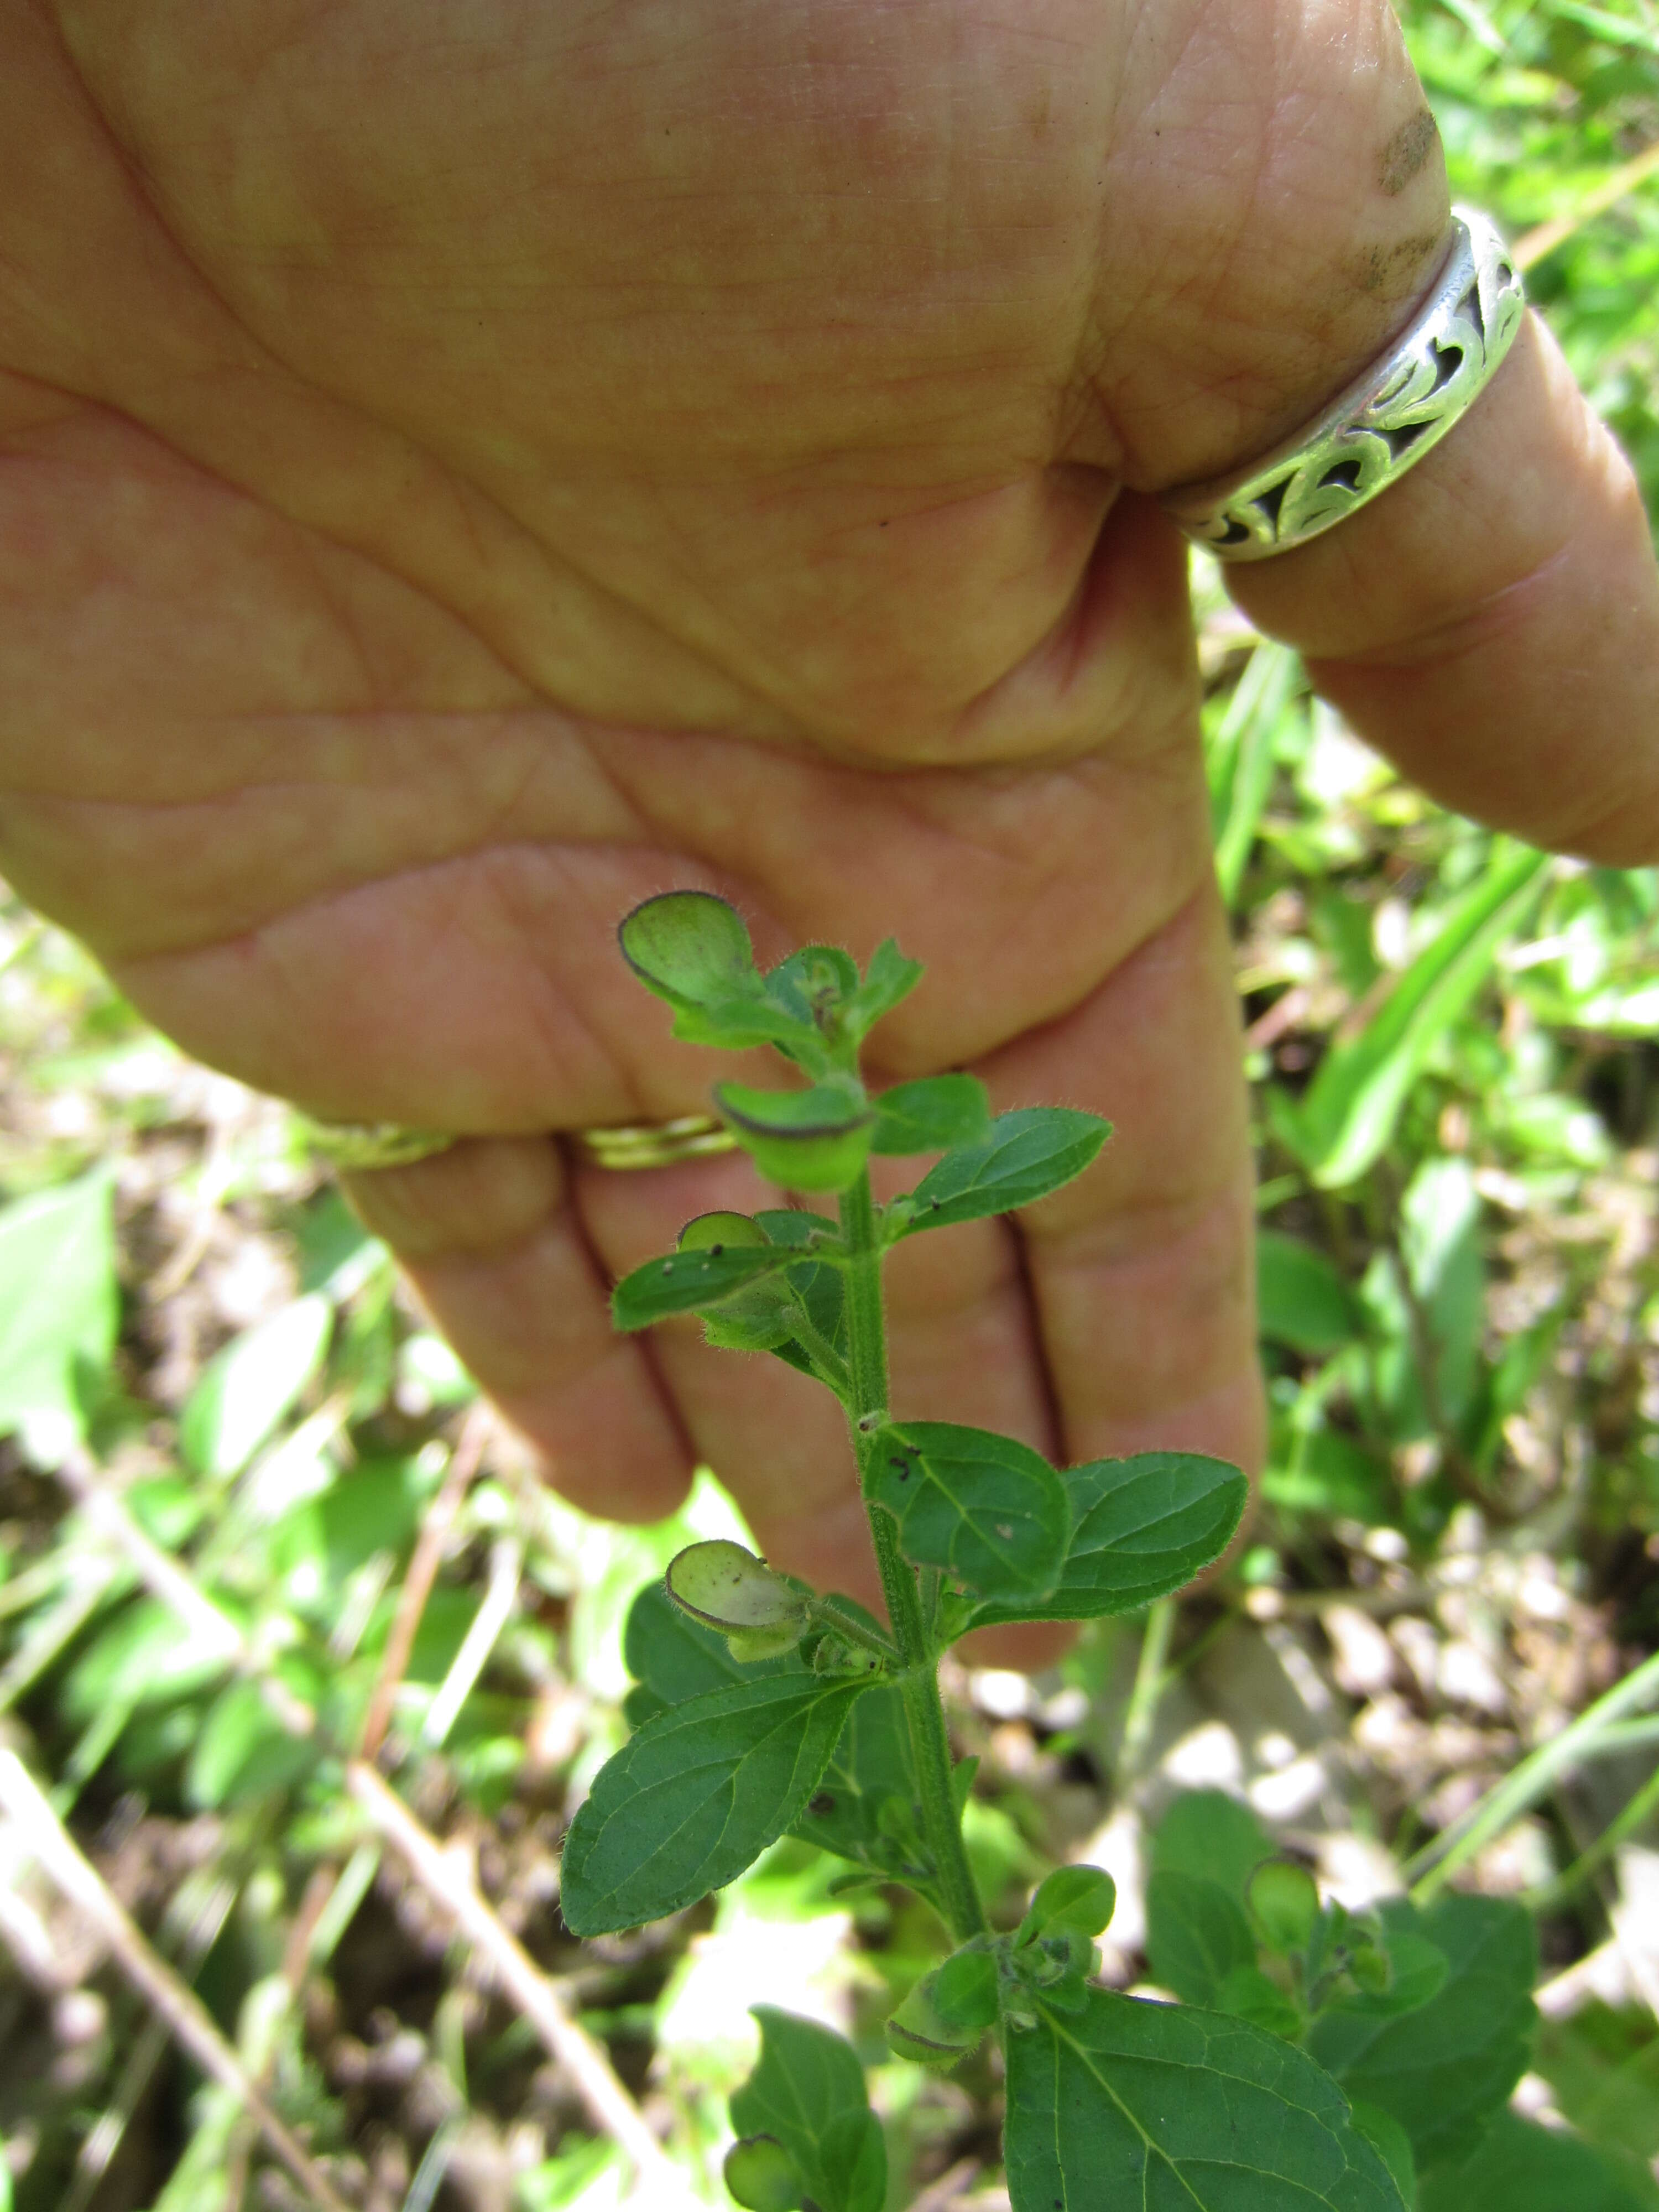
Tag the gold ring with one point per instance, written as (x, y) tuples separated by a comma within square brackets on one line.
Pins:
[(356, 1148), (654, 1143), (360, 1147)]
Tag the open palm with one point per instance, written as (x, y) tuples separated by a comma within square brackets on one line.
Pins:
[(464, 469)]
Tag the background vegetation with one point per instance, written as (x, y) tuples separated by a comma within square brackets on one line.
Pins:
[(260, 1554)]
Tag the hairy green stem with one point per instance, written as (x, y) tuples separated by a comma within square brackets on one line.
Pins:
[(866, 1338), (828, 1613)]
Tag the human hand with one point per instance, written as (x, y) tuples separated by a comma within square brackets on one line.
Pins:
[(463, 470)]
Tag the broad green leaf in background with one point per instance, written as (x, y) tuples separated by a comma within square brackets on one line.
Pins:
[(1603, 2066), (931, 1115), (1208, 1834), (1443, 2070), (144, 1656), (695, 1795), (688, 1281), (1196, 1937), (807, 2091), (247, 1389), (814, 1139), (1301, 1300), (1132, 2103), (1028, 1153), (1351, 1107), (59, 1309), (1392, 2145), (1142, 1528), (1440, 1238), (243, 1751), (1519, 2167), (989, 1511)]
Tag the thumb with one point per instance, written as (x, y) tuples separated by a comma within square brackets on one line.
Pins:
[(1491, 622)]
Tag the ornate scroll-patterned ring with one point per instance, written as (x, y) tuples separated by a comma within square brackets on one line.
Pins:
[(1386, 419)]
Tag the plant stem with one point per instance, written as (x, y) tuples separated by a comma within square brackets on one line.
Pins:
[(1152, 1676), (867, 1339), (827, 1612)]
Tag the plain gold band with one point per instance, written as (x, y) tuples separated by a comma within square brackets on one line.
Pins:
[(363, 1147)]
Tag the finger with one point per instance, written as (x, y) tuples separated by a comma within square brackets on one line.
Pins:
[(1492, 622), (488, 1237), (1141, 1271)]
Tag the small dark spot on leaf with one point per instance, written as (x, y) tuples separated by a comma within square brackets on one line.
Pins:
[(715, 1251), (822, 1803)]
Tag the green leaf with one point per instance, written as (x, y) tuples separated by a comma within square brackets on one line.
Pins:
[(1073, 1899), (1028, 1153), (1210, 1835), (691, 1282), (931, 1115), (1442, 2069), (145, 1655), (695, 1796), (1284, 1903), (872, 1766), (1196, 1936), (989, 1511), (1142, 1527), (1351, 1107), (1249, 1994), (1302, 1299), (1517, 2166), (247, 1390), (243, 1752), (1392, 2145), (59, 1307), (807, 2093), (814, 1140), (1417, 1972), (1603, 2066), (1131, 2104), (889, 978)]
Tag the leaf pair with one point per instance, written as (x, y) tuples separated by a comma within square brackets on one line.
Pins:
[(1120, 2102), (1027, 1542)]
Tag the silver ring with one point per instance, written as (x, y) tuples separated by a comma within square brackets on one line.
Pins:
[(1381, 423)]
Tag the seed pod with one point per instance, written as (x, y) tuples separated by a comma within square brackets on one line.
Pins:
[(727, 1587), (919, 2031), (761, 2175)]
